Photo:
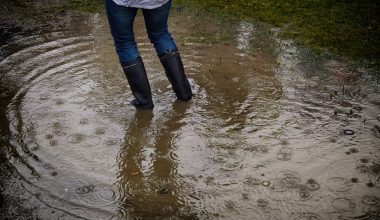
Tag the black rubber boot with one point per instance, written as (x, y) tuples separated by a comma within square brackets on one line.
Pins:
[(172, 63), (138, 81)]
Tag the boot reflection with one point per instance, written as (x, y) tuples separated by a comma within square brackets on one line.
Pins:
[(149, 183)]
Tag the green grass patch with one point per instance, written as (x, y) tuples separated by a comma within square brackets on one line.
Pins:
[(84, 5), (348, 28)]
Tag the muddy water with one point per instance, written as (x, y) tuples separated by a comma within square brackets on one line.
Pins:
[(273, 132)]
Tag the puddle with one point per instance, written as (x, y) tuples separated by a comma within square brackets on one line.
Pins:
[(262, 138)]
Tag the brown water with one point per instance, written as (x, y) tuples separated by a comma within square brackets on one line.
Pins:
[(273, 132)]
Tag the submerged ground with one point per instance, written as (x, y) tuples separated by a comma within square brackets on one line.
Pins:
[(273, 132)]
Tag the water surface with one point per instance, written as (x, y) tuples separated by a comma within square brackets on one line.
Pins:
[(273, 131)]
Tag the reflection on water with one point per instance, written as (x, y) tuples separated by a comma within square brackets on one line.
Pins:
[(280, 135), (245, 31), (148, 170)]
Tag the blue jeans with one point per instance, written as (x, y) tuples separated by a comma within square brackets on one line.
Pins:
[(121, 19)]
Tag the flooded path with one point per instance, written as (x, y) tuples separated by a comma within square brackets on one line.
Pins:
[(273, 132)]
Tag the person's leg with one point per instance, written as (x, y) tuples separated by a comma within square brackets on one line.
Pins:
[(156, 22), (121, 20), (121, 24)]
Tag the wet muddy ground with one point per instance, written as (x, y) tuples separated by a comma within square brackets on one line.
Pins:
[(273, 131)]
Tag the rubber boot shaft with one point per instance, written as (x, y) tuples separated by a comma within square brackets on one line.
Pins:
[(138, 81), (172, 63)]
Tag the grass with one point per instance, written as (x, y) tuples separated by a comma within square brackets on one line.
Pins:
[(42, 11), (83, 5), (348, 28)]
